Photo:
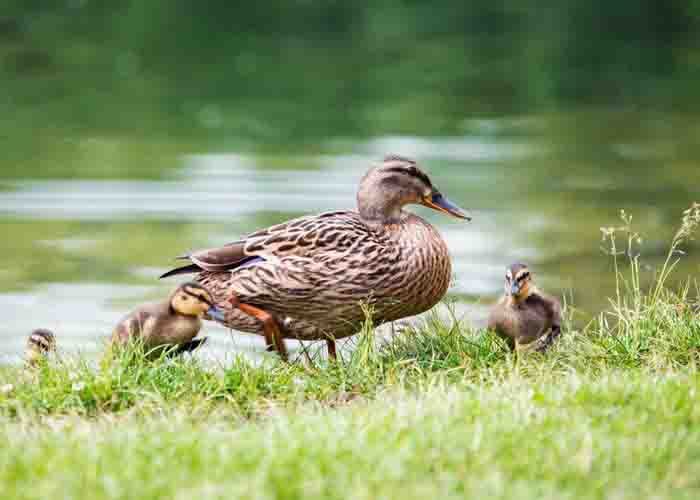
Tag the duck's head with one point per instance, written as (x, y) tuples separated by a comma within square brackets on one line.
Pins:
[(192, 299), (396, 182), (519, 284), (41, 343)]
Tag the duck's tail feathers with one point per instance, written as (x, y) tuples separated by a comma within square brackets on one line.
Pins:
[(189, 269)]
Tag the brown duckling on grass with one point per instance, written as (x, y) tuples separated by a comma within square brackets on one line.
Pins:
[(40, 344), (169, 323), (524, 315)]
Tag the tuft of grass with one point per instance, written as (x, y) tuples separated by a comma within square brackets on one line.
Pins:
[(655, 325)]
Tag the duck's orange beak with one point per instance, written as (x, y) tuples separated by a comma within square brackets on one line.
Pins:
[(438, 202)]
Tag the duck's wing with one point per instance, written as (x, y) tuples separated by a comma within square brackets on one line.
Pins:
[(302, 237)]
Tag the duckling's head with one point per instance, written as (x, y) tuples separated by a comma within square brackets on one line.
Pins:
[(396, 182), (192, 299), (518, 283), (41, 343)]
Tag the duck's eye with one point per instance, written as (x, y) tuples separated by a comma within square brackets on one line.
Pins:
[(184, 298)]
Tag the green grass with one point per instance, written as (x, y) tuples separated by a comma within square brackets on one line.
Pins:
[(623, 435), (439, 411), (442, 410)]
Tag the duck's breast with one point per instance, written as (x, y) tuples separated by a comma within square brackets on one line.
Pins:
[(423, 271)]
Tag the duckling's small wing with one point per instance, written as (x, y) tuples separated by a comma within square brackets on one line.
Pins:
[(498, 319)]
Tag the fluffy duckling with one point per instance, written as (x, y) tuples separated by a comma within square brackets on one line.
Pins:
[(40, 344), (524, 315), (173, 322)]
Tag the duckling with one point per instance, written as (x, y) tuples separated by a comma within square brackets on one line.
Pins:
[(173, 322), (40, 344), (524, 315), (688, 307)]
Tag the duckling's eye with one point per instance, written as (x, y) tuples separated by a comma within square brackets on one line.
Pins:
[(184, 298), (524, 277)]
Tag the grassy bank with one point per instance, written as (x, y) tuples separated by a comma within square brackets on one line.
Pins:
[(440, 411), (622, 435)]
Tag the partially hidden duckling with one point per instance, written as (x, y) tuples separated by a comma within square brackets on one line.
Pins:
[(173, 322), (40, 344), (524, 314)]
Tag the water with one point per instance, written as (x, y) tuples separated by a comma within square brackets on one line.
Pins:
[(81, 251)]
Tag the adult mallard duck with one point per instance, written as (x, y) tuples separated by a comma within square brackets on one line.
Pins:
[(524, 314), (309, 278)]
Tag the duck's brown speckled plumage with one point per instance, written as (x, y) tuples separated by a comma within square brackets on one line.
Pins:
[(313, 274)]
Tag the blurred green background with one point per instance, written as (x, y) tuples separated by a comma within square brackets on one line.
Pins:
[(134, 130), (274, 73)]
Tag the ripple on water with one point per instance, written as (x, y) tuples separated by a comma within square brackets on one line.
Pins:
[(454, 148), (221, 186)]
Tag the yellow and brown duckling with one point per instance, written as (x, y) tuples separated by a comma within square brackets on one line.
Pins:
[(524, 315), (173, 322), (41, 343), (688, 308), (308, 278)]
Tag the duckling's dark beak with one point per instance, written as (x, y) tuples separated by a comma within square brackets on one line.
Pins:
[(515, 288), (438, 202), (216, 313)]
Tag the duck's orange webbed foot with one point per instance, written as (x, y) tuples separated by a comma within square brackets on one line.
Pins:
[(273, 335)]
